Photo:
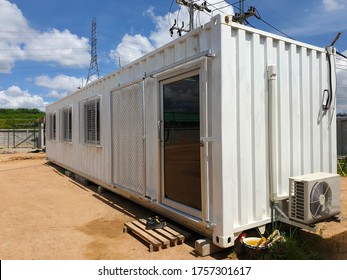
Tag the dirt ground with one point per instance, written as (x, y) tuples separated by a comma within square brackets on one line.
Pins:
[(45, 215)]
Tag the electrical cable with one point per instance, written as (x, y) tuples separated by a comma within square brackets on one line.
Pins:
[(261, 19), (258, 16), (218, 8), (329, 91), (233, 5), (31, 50), (340, 54)]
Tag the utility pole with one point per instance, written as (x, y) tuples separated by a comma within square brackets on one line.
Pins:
[(242, 7), (242, 16), (192, 7), (93, 67)]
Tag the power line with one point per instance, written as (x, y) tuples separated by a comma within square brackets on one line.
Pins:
[(192, 7), (62, 55), (258, 16), (234, 4), (340, 54), (36, 38), (276, 29), (31, 50), (267, 23)]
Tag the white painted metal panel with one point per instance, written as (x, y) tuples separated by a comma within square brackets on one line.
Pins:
[(91, 160), (304, 143)]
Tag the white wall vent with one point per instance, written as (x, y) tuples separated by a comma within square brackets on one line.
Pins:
[(314, 197)]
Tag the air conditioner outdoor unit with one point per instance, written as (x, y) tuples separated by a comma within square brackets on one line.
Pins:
[(314, 197)]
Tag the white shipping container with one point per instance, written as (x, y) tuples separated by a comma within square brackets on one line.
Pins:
[(206, 130)]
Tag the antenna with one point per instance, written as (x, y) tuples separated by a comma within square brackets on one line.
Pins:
[(93, 67), (192, 7)]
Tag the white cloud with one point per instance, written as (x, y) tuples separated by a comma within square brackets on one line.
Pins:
[(131, 48), (328, 17), (59, 86), (334, 5), (15, 97), (55, 94), (22, 42), (135, 46), (59, 82), (58, 46)]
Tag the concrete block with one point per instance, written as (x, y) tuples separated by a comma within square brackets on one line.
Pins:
[(83, 181), (101, 190), (205, 247), (69, 174)]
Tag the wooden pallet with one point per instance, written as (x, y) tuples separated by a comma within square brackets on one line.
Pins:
[(157, 239)]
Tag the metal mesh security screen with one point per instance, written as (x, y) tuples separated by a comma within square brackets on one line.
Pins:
[(127, 137), (67, 124), (90, 124), (51, 126)]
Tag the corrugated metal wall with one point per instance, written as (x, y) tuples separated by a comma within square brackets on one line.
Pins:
[(96, 161), (306, 137), (89, 159)]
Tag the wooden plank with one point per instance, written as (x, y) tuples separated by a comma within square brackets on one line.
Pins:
[(176, 235), (157, 238), (172, 238), (179, 237), (163, 240), (180, 231), (154, 244)]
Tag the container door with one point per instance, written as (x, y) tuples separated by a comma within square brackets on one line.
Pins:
[(180, 143)]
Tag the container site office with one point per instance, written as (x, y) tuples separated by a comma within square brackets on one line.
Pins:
[(209, 130)]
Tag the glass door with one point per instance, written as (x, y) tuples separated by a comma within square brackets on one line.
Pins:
[(180, 143)]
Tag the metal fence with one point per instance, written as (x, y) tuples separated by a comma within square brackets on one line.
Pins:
[(341, 129), (23, 135)]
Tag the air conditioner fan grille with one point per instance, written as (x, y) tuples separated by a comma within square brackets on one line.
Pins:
[(320, 200)]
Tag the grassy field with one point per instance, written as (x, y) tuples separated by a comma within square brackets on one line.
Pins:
[(20, 118)]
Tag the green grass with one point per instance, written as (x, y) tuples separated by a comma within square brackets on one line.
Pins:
[(295, 247), (19, 118), (298, 245), (342, 166)]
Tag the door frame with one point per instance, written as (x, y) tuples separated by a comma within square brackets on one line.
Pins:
[(200, 70)]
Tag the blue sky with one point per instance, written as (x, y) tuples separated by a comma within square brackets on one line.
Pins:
[(45, 45)]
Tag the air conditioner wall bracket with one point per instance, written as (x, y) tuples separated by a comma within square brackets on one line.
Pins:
[(282, 217)]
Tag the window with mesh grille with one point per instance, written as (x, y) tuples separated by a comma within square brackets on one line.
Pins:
[(52, 126), (67, 124), (91, 121)]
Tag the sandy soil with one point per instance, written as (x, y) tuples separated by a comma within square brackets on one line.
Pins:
[(46, 215)]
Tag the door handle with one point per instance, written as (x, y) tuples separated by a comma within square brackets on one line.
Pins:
[(159, 130)]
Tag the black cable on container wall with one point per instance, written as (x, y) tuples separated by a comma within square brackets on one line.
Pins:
[(340, 54)]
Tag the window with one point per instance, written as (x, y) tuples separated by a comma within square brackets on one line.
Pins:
[(91, 121), (52, 126), (67, 124)]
